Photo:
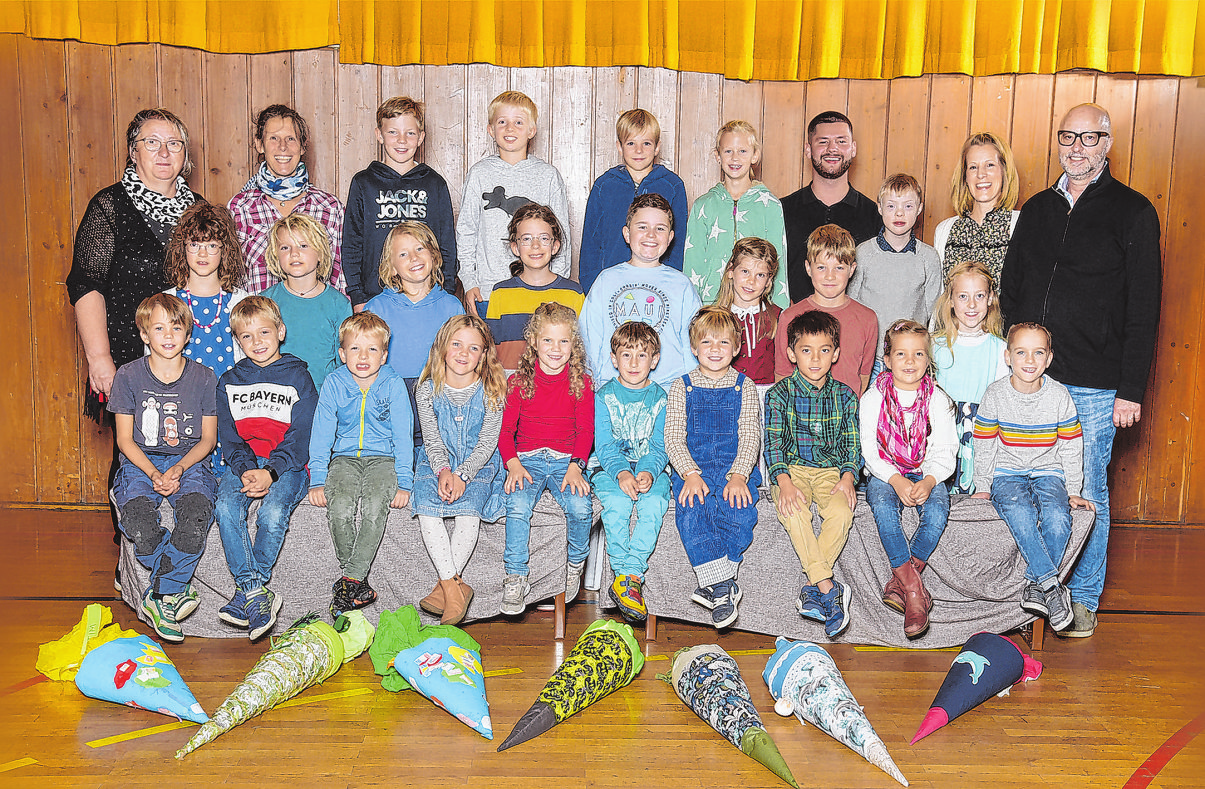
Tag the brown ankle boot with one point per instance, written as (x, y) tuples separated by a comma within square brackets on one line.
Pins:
[(465, 590), (455, 603), (434, 602), (920, 568), (916, 613), (893, 595)]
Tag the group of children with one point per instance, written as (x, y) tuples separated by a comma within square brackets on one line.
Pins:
[(624, 386)]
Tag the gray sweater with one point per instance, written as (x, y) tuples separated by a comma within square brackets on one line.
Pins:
[(897, 284)]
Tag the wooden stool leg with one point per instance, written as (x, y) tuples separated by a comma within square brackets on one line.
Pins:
[(558, 617), (650, 628), (1039, 634)]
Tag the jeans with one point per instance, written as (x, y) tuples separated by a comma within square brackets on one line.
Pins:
[(547, 471), (1038, 513), (1095, 408), (887, 508), (629, 552), (251, 564)]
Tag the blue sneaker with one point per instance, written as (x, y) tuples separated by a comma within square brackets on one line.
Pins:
[(836, 604), (727, 597), (262, 607), (235, 612), (809, 605), (705, 596)]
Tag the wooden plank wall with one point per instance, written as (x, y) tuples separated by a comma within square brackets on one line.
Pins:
[(68, 104)]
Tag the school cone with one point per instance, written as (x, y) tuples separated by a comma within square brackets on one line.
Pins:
[(709, 681), (805, 682), (605, 658)]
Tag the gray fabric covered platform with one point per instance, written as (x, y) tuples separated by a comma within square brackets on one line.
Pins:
[(402, 573), (975, 577)]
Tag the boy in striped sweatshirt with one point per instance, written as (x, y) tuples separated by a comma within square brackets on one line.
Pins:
[(1029, 452)]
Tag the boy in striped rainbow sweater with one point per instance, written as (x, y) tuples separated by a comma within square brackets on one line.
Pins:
[(1029, 452)]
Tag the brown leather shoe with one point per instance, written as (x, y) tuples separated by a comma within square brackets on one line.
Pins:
[(434, 602), (455, 603), (916, 611), (920, 568), (893, 595), (465, 590)]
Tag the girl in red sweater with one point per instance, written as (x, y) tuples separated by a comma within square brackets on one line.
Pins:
[(547, 431)]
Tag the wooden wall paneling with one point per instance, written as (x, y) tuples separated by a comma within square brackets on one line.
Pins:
[(482, 84), (949, 120), (536, 83), (228, 151), (657, 92), (403, 81), (271, 82), (907, 126), (574, 154), (782, 132), (992, 104), (822, 95), (94, 151), (135, 74), (17, 430), (1032, 135), (614, 93), (314, 98), (868, 113), (356, 103), (181, 90), (449, 147), (1070, 88), (48, 174), (743, 101), (1118, 93), (699, 119)]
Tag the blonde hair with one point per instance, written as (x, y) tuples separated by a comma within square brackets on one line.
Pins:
[(513, 98), (904, 326), (945, 322), (1017, 328), (402, 105), (900, 184), (254, 307), (307, 229), (757, 249), (367, 323), (637, 121), (175, 308), (423, 235), (716, 320), (960, 193), (550, 313), (833, 239), (738, 127), (489, 369)]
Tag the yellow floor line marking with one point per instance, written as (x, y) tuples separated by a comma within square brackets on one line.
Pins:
[(904, 649), (729, 651), (501, 671), (15, 763), (339, 694)]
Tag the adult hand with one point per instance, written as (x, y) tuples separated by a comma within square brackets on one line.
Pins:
[(471, 297), (1080, 503), (1126, 413), (100, 374)]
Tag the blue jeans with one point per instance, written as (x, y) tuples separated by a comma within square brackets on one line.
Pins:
[(888, 508), (1038, 513), (547, 471), (251, 563), (629, 552), (1095, 408)]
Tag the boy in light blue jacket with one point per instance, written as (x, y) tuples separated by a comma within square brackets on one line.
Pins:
[(361, 453)]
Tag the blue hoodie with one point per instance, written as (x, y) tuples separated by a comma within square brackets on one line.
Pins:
[(607, 212), (266, 412), (351, 422), (412, 326)]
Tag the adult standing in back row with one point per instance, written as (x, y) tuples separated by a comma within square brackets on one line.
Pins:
[(828, 199), (1084, 262)]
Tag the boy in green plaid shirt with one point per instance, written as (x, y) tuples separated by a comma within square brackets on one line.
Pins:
[(813, 454)]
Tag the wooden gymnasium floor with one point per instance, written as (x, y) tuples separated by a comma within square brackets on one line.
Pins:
[(1109, 711)]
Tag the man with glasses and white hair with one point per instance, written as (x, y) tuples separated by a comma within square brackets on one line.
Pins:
[(1084, 262)]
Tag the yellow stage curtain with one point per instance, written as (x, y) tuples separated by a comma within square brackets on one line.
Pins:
[(741, 39)]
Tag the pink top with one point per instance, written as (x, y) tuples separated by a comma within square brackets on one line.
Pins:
[(859, 340), (551, 419), (756, 359)]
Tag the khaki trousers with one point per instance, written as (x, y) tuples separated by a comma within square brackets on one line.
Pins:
[(817, 555)]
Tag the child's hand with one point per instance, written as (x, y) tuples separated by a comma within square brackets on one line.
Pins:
[(1080, 503), (644, 482), (846, 486), (692, 487), (471, 297), (515, 475), (981, 495), (903, 489), (736, 492), (791, 500), (628, 484), (256, 483), (575, 481), (400, 499), (451, 486), (168, 482), (318, 496), (922, 489)]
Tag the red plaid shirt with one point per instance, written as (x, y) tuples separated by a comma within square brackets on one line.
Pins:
[(254, 214)]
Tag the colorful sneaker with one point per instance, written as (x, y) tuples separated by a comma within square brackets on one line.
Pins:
[(262, 607), (362, 594), (162, 613), (809, 606), (1058, 600), (628, 595), (235, 612), (573, 580), (1033, 600), (1083, 623), (727, 597), (836, 605), (514, 595), (187, 602), (341, 597), (704, 596)]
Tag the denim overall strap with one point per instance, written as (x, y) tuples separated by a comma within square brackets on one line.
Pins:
[(710, 437), (459, 426)]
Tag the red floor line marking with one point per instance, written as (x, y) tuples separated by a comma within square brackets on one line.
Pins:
[(1143, 776), (23, 685)]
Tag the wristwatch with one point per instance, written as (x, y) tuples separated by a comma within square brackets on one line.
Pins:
[(464, 477), (581, 464)]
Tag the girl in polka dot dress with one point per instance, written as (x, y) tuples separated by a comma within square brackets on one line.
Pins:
[(205, 267)]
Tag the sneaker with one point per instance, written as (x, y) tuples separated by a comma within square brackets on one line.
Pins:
[(1033, 600), (187, 602), (361, 593), (341, 597), (573, 580), (235, 612), (262, 607), (704, 596), (836, 605), (809, 606), (727, 598), (117, 578), (627, 594), (1058, 600), (1083, 623), (162, 613), (514, 595)]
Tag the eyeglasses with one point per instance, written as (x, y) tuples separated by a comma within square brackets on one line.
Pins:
[(544, 239), (153, 144), (1090, 139), (210, 247)]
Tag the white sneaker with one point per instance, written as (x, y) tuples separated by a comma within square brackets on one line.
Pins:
[(573, 580), (514, 595)]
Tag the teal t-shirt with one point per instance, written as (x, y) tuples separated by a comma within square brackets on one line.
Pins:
[(312, 327)]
